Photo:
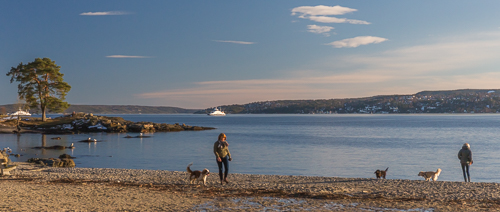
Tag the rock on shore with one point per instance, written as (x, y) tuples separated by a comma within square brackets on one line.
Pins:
[(153, 190)]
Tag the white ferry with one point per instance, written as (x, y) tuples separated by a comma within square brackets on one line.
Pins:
[(20, 113), (217, 112)]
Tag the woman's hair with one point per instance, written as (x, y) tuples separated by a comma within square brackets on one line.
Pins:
[(222, 135)]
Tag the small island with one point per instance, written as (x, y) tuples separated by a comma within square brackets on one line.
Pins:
[(87, 122)]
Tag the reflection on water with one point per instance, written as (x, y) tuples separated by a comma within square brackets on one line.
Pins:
[(315, 145)]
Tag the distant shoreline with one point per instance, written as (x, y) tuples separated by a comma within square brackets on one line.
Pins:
[(114, 109), (462, 101)]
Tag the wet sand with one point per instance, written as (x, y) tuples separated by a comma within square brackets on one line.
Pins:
[(34, 188)]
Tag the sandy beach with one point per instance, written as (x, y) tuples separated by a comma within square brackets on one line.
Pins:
[(35, 188)]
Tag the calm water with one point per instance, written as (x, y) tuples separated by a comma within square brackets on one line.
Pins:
[(312, 145)]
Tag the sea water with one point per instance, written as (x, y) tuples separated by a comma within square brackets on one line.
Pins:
[(311, 145)]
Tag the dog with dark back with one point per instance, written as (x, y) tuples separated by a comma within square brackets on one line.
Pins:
[(381, 173), (200, 176)]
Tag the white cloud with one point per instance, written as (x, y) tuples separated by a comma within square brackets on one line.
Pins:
[(322, 10), (236, 42), (319, 29), (356, 41), (126, 56), (323, 14), (105, 13)]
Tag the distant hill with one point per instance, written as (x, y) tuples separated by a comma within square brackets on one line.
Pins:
[(458, 92), (112, 109), (452, 101)]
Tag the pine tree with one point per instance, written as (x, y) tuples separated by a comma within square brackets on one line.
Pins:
[(41, 85)]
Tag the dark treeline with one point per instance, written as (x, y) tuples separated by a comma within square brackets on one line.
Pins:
[(106, 109)]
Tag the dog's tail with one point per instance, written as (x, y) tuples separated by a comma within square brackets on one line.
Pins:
[(188, 169), (387, 169)]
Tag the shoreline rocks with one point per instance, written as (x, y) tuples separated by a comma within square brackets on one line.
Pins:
[(57, 147), (54, 162), (85, 123)]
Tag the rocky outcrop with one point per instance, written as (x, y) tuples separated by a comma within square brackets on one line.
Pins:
[(82, 123), (65, 156), (59, 147), (142, 127), (53, 162)]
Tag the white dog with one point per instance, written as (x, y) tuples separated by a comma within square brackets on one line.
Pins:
[(430, 175)]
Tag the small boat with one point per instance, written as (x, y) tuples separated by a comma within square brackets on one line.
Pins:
[(217, 112)]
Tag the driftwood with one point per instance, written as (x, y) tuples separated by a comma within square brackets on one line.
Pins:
[(6, 169)]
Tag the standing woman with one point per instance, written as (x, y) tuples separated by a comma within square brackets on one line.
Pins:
[(223, 156), (465, 157)]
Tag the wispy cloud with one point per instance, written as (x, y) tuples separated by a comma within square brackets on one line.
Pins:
[(322, 10), (451, 63), (212, 93), (356, 41), (468, 61), (326, 19), (106, 13), (236, 42), (319, 29), (126, 56), (450, 56), (324, 14)]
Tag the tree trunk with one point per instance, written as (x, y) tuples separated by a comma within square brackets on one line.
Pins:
[(43, 114)]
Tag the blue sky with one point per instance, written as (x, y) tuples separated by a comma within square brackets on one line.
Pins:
[(199, 54)]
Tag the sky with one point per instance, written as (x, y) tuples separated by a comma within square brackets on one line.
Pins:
[(201, 54)]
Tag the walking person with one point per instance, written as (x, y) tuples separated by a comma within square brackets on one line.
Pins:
[(223, 156), (465, 157)]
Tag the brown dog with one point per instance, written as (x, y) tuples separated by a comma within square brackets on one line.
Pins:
[(381, 174), (197, 175)]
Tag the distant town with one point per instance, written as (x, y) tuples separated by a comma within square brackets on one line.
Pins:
[(456, 101)]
